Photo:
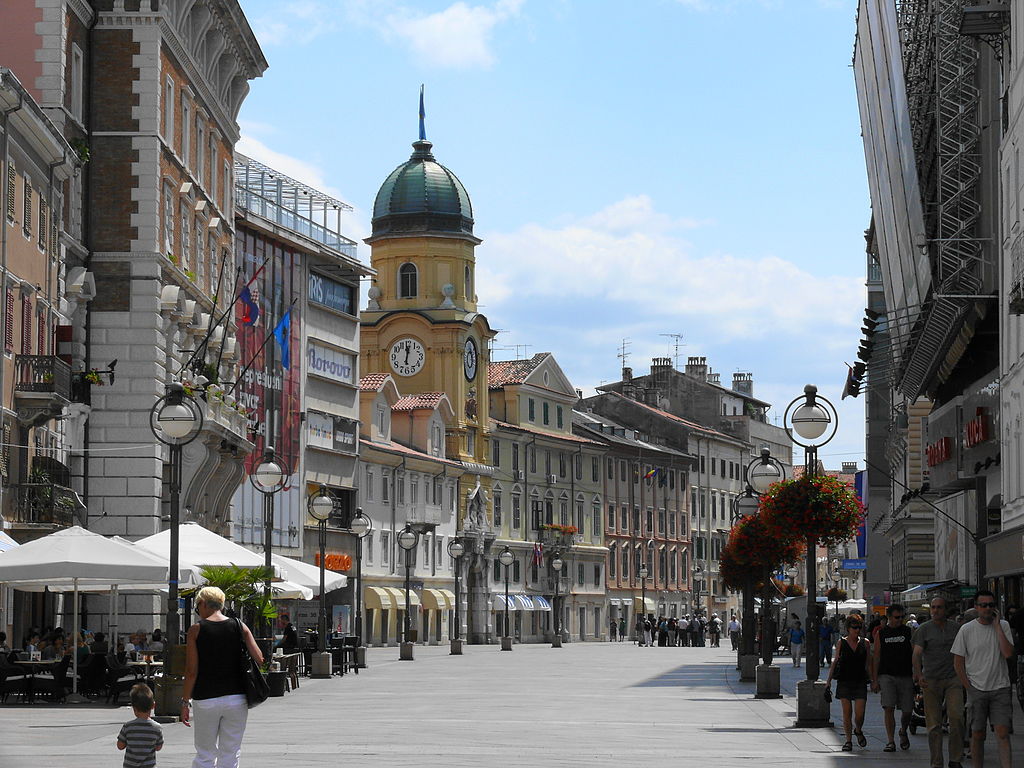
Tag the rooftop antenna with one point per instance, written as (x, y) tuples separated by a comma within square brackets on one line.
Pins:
[(678, 338), (623, 353), (521, 350), (423, 117)]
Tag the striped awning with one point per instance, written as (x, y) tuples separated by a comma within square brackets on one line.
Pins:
[(523, 602), (499, 603), (541, 603), (377, 598)]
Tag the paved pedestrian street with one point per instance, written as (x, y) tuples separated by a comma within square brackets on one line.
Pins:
[(588, 704)]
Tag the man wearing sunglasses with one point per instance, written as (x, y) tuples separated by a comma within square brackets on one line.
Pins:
[(980, 652)]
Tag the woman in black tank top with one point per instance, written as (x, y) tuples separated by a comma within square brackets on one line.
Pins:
[(214, 682), (850, 670)]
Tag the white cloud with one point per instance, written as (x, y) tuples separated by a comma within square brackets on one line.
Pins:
[(458, 37), (294, 22), (355, 224), (631, 255)]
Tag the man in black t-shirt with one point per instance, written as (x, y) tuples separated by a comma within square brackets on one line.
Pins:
[(892, 674)]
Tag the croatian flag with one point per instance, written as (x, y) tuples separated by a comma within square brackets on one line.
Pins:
[(250, 309), (538, 553)]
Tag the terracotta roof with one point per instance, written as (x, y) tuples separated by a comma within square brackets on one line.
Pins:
[(541, 433), (372, 382), (671, 416), (844, 477), (402, 450), (505, 372), (426, 400)]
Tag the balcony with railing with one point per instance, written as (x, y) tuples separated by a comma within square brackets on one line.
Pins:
[(43, 504), (42, 387)]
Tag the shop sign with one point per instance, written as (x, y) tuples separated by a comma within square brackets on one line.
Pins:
[(976, 430), (331, 363), (334, 561), (939, 451), (967, 590), (330, 293), (331, 433), (855, 564)]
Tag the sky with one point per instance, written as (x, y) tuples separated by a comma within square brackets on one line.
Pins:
[(637, 169)]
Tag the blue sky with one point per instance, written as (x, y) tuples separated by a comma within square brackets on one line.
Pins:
[(636, 169)]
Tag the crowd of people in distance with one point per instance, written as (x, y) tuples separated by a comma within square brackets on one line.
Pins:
[(56, 642), (671, 632)]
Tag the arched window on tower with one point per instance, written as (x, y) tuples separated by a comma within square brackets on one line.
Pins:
[(408, 281), (469, 283)]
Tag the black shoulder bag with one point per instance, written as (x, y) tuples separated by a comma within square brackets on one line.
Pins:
[(256, 687)]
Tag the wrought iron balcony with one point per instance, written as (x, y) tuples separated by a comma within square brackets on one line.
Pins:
[(44, 504), (42, 387)]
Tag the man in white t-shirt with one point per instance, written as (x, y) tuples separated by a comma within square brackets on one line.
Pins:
[(734, 633), (979, 653)]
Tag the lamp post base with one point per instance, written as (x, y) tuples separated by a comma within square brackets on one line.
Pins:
[(812, 710), (506, 643), (321, 666), (556, 641), (405, 652), (456, 647), (748, 667), (361, 657), (769, 682)]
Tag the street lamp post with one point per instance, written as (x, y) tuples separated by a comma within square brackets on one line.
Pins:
[(360, 526), (268, 478), (455, 550), (698, 572), (556, 566), (321, 507), (815, 421), (407, 540), (176, 420), (506, 558), (642, 573)]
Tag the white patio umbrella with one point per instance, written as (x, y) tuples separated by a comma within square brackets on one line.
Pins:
[(289, 590), (6, 542), (73, 558), (201, 547), (308, 575)]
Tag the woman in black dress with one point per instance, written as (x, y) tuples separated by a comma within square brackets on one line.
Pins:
[(850, 670)]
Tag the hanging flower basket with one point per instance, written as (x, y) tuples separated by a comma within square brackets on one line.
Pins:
[(751, 552), (820, 508), (836, 595), (565, 530)]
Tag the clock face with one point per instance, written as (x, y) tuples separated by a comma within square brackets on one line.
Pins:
[(469, 359), (407, 357)]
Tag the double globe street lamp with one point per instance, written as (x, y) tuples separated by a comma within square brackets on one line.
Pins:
[(269, 477), (321, 506), (506, 558), (176, 419), (408, 538), (455, 551), (643, 573), (556, 566), (359, 526)]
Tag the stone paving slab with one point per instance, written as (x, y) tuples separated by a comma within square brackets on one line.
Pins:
[(587, 704)]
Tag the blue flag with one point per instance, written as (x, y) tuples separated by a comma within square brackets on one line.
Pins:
[(250, 309), (283, 334), (423, 115)]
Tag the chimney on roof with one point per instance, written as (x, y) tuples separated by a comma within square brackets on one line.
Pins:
[(714, 378), (628, 387), (661, 367), (743, 383), (579, 394), (697, 367), (849, 468)]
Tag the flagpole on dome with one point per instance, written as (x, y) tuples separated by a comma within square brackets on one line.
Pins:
[(423, 116)]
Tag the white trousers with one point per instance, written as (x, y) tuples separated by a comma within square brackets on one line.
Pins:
[(218, 726)]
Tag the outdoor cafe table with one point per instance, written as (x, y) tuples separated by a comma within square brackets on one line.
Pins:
[(33, 667), (146, 664)]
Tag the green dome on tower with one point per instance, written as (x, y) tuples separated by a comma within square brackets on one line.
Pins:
[(422, 196)]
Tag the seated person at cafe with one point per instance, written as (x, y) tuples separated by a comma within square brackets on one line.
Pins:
[(99, 643), (54, 650), (32, 643), (157, 643), (83, 649)]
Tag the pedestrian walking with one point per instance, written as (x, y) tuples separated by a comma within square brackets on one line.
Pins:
[(662, 632), (980, 651), (683, 629), (140, 737), (622, 629), (912, 622), (715, 630), (893, 675), (214, 682), (695, 630), (673, 628), (936, 676), (851, 669), (639, 629), (796, 642), (613, 630), (648, 632), (734, 633), (826, 639)]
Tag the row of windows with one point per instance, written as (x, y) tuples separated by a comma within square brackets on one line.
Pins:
[(666, 520), (731, 470), (36, 326), (37, 221), (563, 459), (204, 160), (663, 567), (721, 503), (651, 474), (198, 252), (519, 566), (432, 553), (543, 512), (433, 487), (545, 409)]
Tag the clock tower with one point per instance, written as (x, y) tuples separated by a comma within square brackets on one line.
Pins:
[(421, 323)]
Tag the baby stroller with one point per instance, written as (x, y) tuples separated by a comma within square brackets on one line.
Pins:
[(917, 715)]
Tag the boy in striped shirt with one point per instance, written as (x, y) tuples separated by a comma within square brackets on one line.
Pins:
[(140, 738)]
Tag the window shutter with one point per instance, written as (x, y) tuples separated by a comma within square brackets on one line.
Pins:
[(43, 231), (5, 454), (9, 321), (41, 334), (26, 326), (11, 191), (54, 238), (26, 221)]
